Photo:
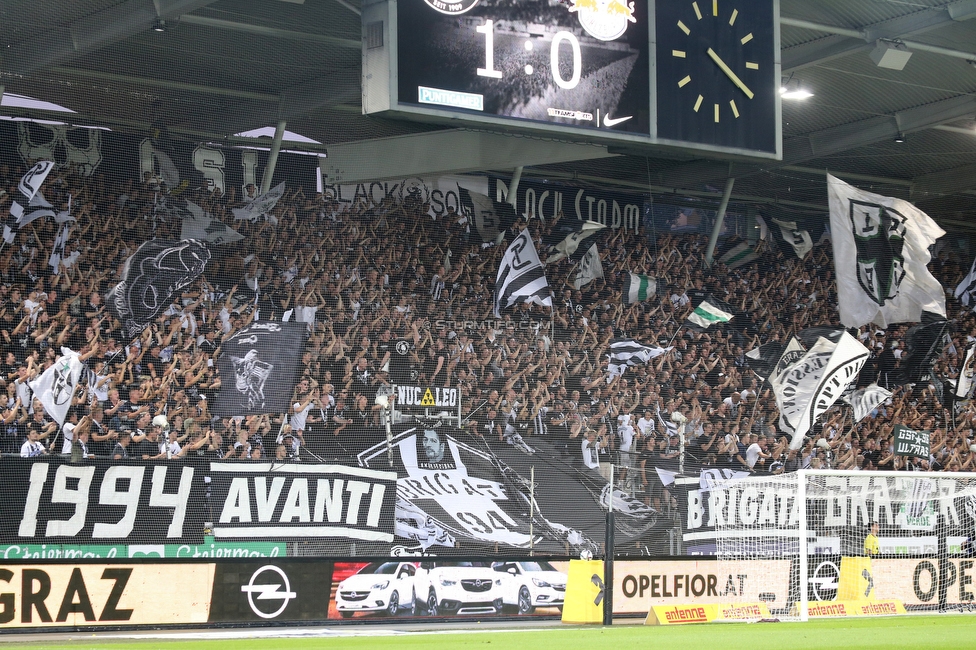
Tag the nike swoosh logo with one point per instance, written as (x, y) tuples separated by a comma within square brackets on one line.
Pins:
[(608, 121)]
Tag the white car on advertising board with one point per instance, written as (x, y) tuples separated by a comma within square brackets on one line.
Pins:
[(378, 587), (457, 587), (527, 585)]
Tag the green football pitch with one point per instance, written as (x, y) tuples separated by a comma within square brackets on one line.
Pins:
[(909, 632)]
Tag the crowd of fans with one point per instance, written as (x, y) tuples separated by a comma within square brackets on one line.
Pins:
[(367, 277)]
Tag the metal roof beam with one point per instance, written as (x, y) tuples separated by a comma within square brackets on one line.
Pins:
[(949, 181), (827, 142), (92, 32), (844, 40), (163, 83), (272, 32)]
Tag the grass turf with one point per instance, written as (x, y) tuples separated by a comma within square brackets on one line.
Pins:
[(909, 632)]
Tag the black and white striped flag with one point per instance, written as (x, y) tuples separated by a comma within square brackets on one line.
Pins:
[(628, 352), (521, 277)]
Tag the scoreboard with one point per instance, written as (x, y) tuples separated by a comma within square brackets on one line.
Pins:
[(691, 74)]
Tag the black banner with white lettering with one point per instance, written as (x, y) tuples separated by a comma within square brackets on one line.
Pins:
[(54, 501), (290, 502), (909, 442)]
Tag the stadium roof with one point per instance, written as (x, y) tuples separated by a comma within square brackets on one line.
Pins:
[(224, 67)]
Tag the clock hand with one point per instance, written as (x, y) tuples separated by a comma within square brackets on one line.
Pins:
[(728, 72)]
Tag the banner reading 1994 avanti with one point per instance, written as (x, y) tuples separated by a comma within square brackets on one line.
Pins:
[(54, 509)]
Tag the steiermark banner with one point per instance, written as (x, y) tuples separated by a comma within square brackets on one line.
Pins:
[(210, 549)]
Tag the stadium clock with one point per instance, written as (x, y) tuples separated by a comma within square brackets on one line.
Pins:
[(717, 73), (582, 63)]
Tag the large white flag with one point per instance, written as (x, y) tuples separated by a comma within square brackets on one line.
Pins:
[(261, 205), (800, 240), (521, 276), (56, 386), (881, 249), (590, 268), (811, 385)]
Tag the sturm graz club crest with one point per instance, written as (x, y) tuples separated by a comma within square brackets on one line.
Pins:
[(879, 234), (452, 8), (61, 390)]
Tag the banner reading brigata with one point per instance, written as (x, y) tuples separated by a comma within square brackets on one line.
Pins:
[(290, 501), (760, 515), (54, 501)]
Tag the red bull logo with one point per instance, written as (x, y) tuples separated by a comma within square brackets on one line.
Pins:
[(605, 20)]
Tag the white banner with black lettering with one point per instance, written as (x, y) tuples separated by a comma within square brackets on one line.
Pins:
[(302, 502), (813, 383)]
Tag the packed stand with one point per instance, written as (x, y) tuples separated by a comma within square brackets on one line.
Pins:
[(367, 277)]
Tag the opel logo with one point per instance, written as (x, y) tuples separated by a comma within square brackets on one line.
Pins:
[(824, 581), (268, 591)]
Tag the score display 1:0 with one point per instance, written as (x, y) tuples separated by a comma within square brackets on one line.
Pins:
[(488, 29)]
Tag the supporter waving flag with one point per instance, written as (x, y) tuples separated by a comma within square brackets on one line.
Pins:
[(628, 352), (151, 278), (865, 400), (710, 311), (521, 277), (261, 205), (29, 186), (492, 219), (966, 290), (572, 239), (800, 240), (881, 251), (258, 368), (590, 268), (55, 388), (638, 288), (808, 387)]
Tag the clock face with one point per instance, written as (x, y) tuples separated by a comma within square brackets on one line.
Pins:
[(717, 79), (579, 63)]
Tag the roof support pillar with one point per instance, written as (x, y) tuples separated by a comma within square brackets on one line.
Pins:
[(719, 220), (269, 169)]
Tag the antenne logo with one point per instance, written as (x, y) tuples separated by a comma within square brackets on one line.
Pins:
[(605, 20), (269, 591)]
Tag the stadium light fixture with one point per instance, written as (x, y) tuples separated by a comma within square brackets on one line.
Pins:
[(791, 89)]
